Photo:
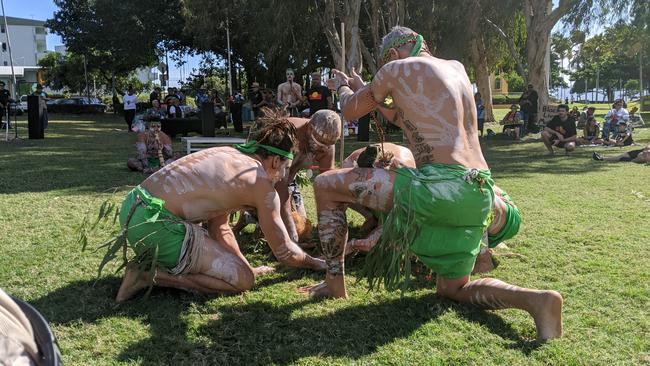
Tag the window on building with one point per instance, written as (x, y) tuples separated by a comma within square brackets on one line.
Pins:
[(4, 46), (2, 28), (497, 83), (40, 30), (6, 64), (40, 46)]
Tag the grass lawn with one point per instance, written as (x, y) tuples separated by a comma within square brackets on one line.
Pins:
[(585, 233)]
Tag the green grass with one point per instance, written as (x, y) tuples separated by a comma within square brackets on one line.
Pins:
[(585, 233)]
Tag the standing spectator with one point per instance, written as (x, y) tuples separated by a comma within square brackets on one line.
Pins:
[(201, 97), (235, 104), (318, 95), (171, 93), (584, 117), (42, 104), (618, 113), (181, 96), (155, 95), (4, 104), (219, 114), (480, 112), (116, 103), (256, 98), (560, 131), (528, 104), (130, 102)]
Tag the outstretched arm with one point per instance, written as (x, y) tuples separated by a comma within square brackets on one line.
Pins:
[(286, 251)]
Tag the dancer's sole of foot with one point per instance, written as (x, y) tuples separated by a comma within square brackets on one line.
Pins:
[(330, 288), (261, 270), (547, 313), (132, 283)]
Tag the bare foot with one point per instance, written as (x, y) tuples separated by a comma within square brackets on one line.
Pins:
[(333, 287), (132, 283), (258, 271), (547, 312)]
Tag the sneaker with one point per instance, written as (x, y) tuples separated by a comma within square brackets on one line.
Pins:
[(597, 156)]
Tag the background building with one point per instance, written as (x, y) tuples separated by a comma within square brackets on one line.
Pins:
[(28, 46)]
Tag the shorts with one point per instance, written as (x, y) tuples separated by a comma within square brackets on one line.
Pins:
[(449, 206), (151, 225), (510, 226), (632, 155)]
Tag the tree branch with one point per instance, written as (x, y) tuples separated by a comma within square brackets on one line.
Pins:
[(511, 48), (557, 13)]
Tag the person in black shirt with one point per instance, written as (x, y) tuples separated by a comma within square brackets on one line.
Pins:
[(560, 131), (155, 95), (256, 98), (4, 103), (318, 95)]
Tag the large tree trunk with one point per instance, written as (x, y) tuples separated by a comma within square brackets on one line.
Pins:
[(540, 20), (349, 14), (478, 55)]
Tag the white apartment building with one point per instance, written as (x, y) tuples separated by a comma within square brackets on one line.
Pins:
[(28, 46)]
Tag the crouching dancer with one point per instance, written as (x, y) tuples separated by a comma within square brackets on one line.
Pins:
[(161, 217), (438, 211)]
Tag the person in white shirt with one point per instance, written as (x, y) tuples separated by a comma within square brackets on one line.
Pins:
[(617, 114), (130, 100)]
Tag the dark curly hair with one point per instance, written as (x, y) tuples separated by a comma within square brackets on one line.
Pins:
[(275, 130)]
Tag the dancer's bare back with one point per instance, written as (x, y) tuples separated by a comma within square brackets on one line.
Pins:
[(433, 104)]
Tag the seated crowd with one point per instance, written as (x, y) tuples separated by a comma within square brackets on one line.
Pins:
[(617, 130)]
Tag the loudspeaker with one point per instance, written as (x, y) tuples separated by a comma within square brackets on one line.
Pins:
[(363, 130), (207, 119), (34, 118)]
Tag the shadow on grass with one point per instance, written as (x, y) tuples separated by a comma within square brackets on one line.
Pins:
[(253, 332)]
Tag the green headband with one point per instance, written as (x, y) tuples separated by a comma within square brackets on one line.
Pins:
[(399, 42), (252, 146)]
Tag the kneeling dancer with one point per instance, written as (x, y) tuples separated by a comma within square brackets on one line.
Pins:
[(438, 211), (161, 217), (506, 218)]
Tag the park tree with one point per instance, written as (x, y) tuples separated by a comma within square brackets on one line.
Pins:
[(117, 37), (62, 71), (265, 37)]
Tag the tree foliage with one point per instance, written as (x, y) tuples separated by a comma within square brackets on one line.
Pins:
[(116, 37)]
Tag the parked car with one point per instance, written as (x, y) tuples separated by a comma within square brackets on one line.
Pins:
[(76, 105)]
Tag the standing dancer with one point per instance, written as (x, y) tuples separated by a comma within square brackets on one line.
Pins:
[(438, 211), (290, 94)]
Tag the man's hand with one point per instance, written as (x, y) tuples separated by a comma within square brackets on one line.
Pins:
[(354, 81)]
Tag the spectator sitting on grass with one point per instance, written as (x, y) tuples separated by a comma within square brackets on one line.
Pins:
[(623, 136), (618, 113), (584, 116), (512, 122), (575, 113), (560, 131), (640, 156), (590, 133)]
